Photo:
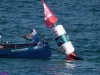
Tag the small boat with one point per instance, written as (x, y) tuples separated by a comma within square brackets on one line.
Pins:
[(41, 51)]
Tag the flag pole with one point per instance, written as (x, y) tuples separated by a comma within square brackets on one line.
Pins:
[(54, 24)]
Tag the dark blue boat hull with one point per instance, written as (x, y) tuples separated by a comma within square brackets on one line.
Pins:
[(38, 52)]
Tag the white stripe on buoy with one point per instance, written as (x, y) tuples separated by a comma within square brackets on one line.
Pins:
[(62, 39)]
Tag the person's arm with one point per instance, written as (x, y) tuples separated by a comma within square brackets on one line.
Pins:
[(30, 35)]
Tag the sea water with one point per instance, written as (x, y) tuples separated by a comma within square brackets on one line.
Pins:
[(81, 20)]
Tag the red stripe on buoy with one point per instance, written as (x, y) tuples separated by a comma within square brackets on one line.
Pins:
[(69, 57)]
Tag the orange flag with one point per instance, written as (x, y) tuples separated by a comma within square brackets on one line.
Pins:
[(50, 18)]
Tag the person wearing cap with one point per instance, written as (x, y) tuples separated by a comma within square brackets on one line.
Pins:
[(33, 34)]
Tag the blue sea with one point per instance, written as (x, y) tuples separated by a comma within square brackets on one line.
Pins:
[(81, 20)]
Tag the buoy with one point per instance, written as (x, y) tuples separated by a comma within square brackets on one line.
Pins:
[(62, 39)]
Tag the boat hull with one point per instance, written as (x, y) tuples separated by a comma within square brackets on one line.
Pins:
[(38, 52)]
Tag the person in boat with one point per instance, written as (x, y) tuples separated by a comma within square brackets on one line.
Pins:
[(34, 35)]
